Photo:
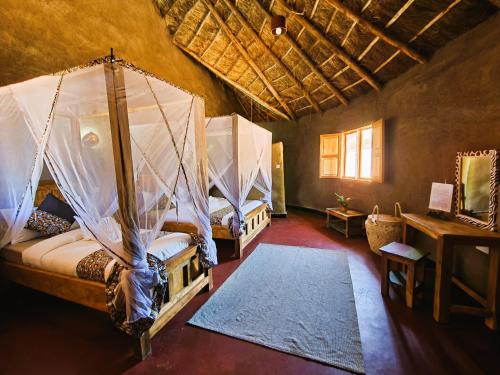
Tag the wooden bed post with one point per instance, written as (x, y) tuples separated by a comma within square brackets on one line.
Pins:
[(142, 347), (124, 171), (238, 249)]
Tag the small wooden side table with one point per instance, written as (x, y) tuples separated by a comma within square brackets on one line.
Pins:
[(345, 221), (411, 258)]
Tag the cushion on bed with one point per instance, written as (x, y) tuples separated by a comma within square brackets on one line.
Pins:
[(57, 207), (47, 224), (25, 235)]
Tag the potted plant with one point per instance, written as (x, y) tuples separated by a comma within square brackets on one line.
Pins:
[(343, 201)]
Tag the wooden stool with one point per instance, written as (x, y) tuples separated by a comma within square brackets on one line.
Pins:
[(407, 257)]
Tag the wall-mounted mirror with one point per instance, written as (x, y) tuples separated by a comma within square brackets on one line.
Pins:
[(477, 179)]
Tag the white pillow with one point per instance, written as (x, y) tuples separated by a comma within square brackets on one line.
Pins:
[(25, 235)]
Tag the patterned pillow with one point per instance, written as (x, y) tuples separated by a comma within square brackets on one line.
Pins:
[(47, 224)]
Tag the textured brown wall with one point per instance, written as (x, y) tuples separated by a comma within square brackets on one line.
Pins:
[(432, 111), (44, 36)]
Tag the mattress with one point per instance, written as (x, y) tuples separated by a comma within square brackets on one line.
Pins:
[(14, 252), (62, 253), (216, 205)]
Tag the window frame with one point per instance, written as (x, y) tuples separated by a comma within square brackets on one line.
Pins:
[(337, 156), (377, 153)]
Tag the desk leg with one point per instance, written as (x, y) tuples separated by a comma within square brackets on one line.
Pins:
[(327, 219), (442, 285), (493, 292), (407, 235), (347, 228)]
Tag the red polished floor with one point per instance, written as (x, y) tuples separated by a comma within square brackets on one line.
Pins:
[(40, 334)]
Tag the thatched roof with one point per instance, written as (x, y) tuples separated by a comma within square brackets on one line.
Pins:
[(333, 52)]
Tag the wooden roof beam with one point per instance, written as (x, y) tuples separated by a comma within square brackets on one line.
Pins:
[(344, 56), (395, 54), (276, 60), (306, 59), (246, 56), (233, 83), (377, 31)]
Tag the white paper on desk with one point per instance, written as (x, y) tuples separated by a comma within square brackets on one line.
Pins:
[(441, 197)]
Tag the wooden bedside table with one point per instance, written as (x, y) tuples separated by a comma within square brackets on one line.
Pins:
[(345, 221)]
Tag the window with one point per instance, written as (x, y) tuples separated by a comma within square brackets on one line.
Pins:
[(356, 154), (329, 163), (350, 154)]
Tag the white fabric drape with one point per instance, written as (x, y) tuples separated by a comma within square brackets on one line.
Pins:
[(164, 124), (24, 120), (239, 158)]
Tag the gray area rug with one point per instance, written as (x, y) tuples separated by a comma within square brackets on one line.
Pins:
[(297, 300)]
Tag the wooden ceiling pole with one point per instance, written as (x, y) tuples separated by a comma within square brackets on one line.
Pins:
[(377, 31), (247, 57), (233, 83), (276, 60), (336, 50), (306, 59), (420, 32), (376, 39), (198, 28), (394, 18)]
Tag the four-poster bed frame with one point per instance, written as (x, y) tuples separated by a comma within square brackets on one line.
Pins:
[(186, 276), (254, 221)]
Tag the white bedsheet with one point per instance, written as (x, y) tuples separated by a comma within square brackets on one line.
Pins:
[(62, 253)]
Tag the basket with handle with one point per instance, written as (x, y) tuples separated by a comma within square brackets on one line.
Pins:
[(383, 229)]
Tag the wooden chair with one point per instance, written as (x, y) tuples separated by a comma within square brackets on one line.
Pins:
[(410, 273)]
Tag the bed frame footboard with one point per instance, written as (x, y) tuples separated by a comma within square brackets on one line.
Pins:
[(255, 221)]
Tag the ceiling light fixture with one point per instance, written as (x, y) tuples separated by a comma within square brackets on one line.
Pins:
[(278, 25)]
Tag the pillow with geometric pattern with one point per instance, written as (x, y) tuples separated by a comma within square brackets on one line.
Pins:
[(47, 224)]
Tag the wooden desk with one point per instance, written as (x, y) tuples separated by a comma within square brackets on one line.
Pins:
[(448, 234), (346, 217)]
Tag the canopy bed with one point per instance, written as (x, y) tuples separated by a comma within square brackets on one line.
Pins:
[(239, 168), (123, 148)]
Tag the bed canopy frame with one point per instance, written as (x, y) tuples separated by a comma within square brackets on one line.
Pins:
[(123, 147), (239, 159)]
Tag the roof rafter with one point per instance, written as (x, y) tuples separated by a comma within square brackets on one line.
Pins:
[(232, 83), (246, 56), (306, 59), (276, 60), (377, 31), (420, 32), (343, 55)]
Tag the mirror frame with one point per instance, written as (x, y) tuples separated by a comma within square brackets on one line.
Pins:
[(494, 182)]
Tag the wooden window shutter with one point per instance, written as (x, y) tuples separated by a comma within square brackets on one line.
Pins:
[(378, 151), (329, 161)]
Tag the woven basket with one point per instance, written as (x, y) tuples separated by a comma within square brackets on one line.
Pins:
[(383, 229)]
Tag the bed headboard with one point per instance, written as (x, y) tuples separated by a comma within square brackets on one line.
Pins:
[(44, 188)]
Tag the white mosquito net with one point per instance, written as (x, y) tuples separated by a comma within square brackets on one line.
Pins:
[(24, 113), (166, 126), (239, 158)]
